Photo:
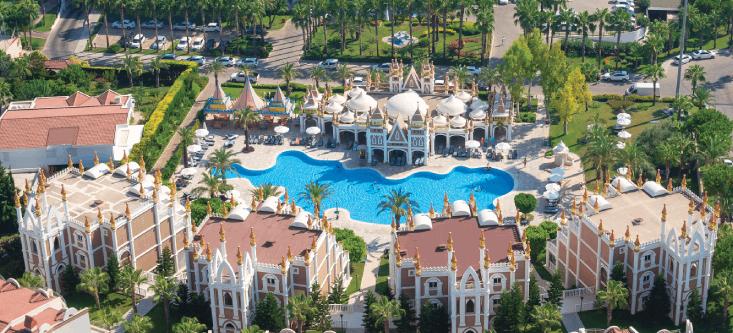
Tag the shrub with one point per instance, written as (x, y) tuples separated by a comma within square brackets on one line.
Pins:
[(527, 117), (525, 203), (619, 104), (352, 243), (114, 48)]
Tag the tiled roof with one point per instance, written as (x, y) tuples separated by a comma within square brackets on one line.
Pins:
[(21, 301)]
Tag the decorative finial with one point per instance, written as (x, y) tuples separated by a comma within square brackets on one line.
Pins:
[(100, 218), (63, 193), (627, 234), (600, 228), (487, 259), (449, 245), (684, 182), (69, 162), (612, 238), (17, 200), (637, 244), (307, 257), (110, 163), (96, 159), (239, 256), (222, 236), (293, 208), (431, 212), (209, 211), (683, 233), (112, 221), (252, 240), (418, 268), (87, 226), (38, 207), (208, 252), (664, 213), (482, 240), (290, 254), (640, 181), (128, 215), (128, 171), (283, 266), (454, 263), (690, 207), (669, 185), (563, 219), (658, 177)]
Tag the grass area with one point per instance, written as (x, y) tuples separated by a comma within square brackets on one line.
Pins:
[(643, 115), (121, 303), (357, 272), (623, 319), (382, 287), (36, 43), (279, 22), (156, 316), (146, 98), (46, 22), (542, 271)]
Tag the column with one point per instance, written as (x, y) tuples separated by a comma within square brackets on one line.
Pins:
[(635, 281)]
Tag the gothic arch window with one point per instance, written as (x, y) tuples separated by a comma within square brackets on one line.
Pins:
[(647, 280), (270, 283), (433, 287), (647, 259), (230, 328), (56, 245), (693, 271), (34, 247), (470, 306), (228, 299)]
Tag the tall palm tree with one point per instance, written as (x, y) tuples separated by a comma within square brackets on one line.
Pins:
[(490, 75), (615, 296), (461, 74), (31, 281), (104, 7), (168, 6), (586, 25), (316, 193), (93, 281), (5, 94), (121, 4), (138, 324), (246, 118), (701, 97), (223, 160), (683, 105), (601, 150), (343, 73), (385, 310), (189, 325), (568, 18), (287, 73), (132, 66), (619, 21), (634, 157), (318, 74), (723, 283), (187, 135), (396, 202), (110, 316), (300, 308), (601, 15), (216, 68), (130, 280), (166, 291), (668, 153), (547, 317), (695, 74), (265, 190), (136, 7), (526, 15), (484, 12), (654, 72), (212, 185), (156, 66)]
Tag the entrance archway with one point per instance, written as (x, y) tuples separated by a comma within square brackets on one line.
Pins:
[(440, 143), (457, 141), (479, 133), (362, 138), (310, 122), (417, 155), (328, 129), (377, 155), (397, 157), (346, 138), (500, 133)]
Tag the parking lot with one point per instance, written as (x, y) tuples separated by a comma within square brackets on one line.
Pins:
[(100, 39)]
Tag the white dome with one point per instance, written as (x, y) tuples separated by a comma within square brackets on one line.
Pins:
[(460, 208), (240, 212), (478, 104), (122, 169), (451, 106), (301, 220), (333, 107), (487, 217), (347, 117), (458, 122), (269, 205), (440, 121), (354, 92), (338, 98), (422, 222), (477, 114), (404, 105), (361, 103), (464, 96)]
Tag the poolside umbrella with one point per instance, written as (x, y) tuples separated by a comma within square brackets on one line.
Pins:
[(201, 132), (503, 146), (281, 129), (620, 145), (313, 130), (192, 149), (622, 171), (472, 144), (551, 195), (623, 115), (555, 177), (552, 187), (188, 172), (558, 170), (624, 134), (623, 121)]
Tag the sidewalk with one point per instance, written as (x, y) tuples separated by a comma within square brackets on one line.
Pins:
[(572, 322)]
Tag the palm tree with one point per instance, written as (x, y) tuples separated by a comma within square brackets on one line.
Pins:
[(187, 135), (634, 157), (212, 185), (683, 105), (265, 190), (156, 65), (484, 12), (343, 73), (245, 118), (668, 153), (614, 296), (189, 325), (168, 7), (547, 317), (5, 94), (110, 316), (136, 7), (568, 18), (216, 68), (695, 74), (601, 150), (586, 24), (385, 310), (138, 324), (489, 75), (723, 283), (121, 4), (654, 72), (601, 15), (526, 14), (619, 21), (318, 74), (132, 66), (166, 291), (287, 73), (252, 329), (316, 193), (461, 74), (701, 97), (300, 308), (93, 281), (223, 159), (104, 7), (130, 280), (31, 281), (396, 202)]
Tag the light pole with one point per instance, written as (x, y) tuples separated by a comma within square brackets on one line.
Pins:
[(343, 329), (581, 303), (683, 32)]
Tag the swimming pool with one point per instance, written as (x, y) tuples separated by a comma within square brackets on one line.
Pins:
[(360, 190)]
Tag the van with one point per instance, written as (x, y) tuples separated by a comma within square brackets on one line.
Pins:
[(642, 89)]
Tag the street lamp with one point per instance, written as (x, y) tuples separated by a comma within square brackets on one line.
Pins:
[(343, 329), (581, 303)]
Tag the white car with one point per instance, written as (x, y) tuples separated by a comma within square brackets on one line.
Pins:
[(685, 59), (128, 24), (329, 63), (247, 62), (198, 59), (197, 44), (384, 67), (232, 136), (358, 81), (137, 41), (159, 43), (503, 2), (622, 76), (473, 70), (182, 44), (212, 27), (241, 77), (182, 26), (702, 54), (226, 61), (152, 24)]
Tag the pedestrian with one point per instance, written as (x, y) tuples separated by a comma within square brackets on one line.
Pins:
[(525, 161), (502, 40)]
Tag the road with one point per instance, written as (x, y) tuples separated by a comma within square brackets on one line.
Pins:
[(68, 35)]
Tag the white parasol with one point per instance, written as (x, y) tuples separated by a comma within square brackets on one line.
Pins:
[(313, 130), (623, 115), (189, 172), (624, 134), (503, 146), (623, 121), (558, 170), (622, 171), (620, 145), (193, 149), (552, 187), (555, 177), (201, 132), (551, 195), (472, 144), (281, 129)]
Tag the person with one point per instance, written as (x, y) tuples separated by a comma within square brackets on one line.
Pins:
[(525, 161), (502, 40)]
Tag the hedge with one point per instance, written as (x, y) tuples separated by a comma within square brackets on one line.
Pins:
[(633, 98), (352, 243)]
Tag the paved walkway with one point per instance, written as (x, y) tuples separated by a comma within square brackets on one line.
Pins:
[(287, 46), (572, 322), (143, 307)]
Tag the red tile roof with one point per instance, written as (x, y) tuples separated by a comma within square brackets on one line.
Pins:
[(21, 301), (56, 64)]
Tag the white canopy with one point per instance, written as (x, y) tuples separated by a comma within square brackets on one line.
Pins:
[(472, 144), (460, 208), (487, 217), (654, 189), (405, 104), (623, 115), (464, 96), (193, 149), (281, 129), (240, 212), (361, 103), (477, 114), (555, 177), (458, 122), (551, 195), (301, 220), (560, 148), (333, 107), (188, 172), (624, 134), (626, 185), (479, 104), (603, 204), (552, 187), (122, 169), (313, 130), (201, 132), (338, 99), (97, 171), (623, 121), (451, 106), (440, 121), (269, 205), (355, 91), (622, 170), (347, 117), (422, 222), (503, 146)]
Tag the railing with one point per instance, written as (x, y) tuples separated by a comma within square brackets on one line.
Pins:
[(341, 308), (579, 292)]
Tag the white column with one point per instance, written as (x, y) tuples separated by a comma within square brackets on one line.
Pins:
[(635, 281)]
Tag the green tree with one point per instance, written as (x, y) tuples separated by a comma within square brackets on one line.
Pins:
[(618, 274), (166, 291), (615, 296), (252, 329), (316, 193), (534, 298), (265, 190), (69, 280), (694, 307), (586, 25), (370, 325), (31, 280), (619, 21), (406, 323), (602, 150), (338, 294), (166, 264), (268, 314), (318, 74), (601, 16), (718, 180), (110, 316), (299, 307), (654, 72), (8, 220), (553, 73), (343, 73), (212, 185), (113, 271), (223, 161), (187, 135), (434, 319), (385, 310), (695, 74), (189, 325), (156, 66), (517, 66), (484, 12), (130, 279), (509, 317), (351, 242), (94, 281), (319, 319), (133, 67), (555, 292), (566, 107), (525, 203), (288, 73), (723, 283), (526, 15), (396, 202), (138, 324), (546, 317), (658, 305), (669, 153), (581, 91), (246, 118)]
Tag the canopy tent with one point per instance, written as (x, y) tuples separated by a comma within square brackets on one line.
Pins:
[(281, 129), (122, 169), (189, 172), (551, 195), (313, 130), (553, 187), (624, 184), (487, 217), (503, 146), (451, 106), (472, 144)]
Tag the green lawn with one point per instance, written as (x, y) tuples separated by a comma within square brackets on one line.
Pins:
[(45, 24), (146, 98), (382, 286), (279, 21), (623, 319), (357, 272), (121, 303), (156, 316), (36, 42)]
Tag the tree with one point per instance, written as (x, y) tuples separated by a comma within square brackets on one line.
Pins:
[(581, 91), (110, 316), (318, 75), (555, 292), (615, 296), (526, 15), (246, 118), (406, 323), (586, 25), (566, 107), (534, 298), (156, 66), (654, 72), (69, 280), (212, 185), (434, 319), (370, 325), (567, 22), (287, 73), (189, 325), (187, 135), (554, 71), (509, 317), (658, 305), (138, 324), (31, 281), (718, 180), (6, 95), (166, 291), (618, 274), (165, 265), (130, 280), (701, 97), (320, 318), (723, 283), (517, 67), (265, 190), (484, 12), (252, 329), (299, 307), (94, 281), (113, 271), (223, 161), (316, 193), (132, 66), (546, 317), (385, 310), (694, 307), (343, 73), (601, 151), (8, 220), (525, 203), (601, 16), (396, 202), (619, 21), (338, 294), (268, 314)]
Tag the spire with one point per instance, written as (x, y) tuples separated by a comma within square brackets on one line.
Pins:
[(512, 259), (627, 234), (431, 212), (307, 257), (487, 259), (310, 222), (690, 207), (669, 185), (222, 237), (664, 213), (128, 215), (283, 265), (637, 244), (658, 177), (482, 240), (125, 158), (285, 196), (63, 193), (38, 207), (290, 254), (683, 232), (612, 238), (128, 171), (112, 221), (684, 182), (640, 181), (185, 240), (209, 211), (573, 207), (313, 243), (293, 208), (17, 200), (208, 252), (563, 220), (239, 256), (449, 245), (100, 218), (252, 240), (96, 159), (600, 228), (418, 268), (87, 226), (454, 263), (110, 163)]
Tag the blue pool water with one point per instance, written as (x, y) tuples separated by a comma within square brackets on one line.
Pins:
[(360, 190)]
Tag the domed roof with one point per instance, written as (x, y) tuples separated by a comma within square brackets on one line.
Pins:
[(404, 104), (333, 107), (458, 122), (347, 117), (338, 98), (440, 120), (477, 114), (361, 103), (464, 96), (451, 106), (354, 92)]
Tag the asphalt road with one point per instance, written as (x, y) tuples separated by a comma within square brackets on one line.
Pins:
[(68, 35)]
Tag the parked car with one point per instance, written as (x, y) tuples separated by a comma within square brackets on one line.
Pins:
[(159, 43), (231, 136), (228, 144), (503, 2), (473, 70), (168, 56), (197, 44), (182, 44), (247, 62), (182, 26), (226, 61), (198, 59), (128, 24), (685, 59), (358, 81), (212, 27), (384, 67), (137, 41), (152, 24), (329, 63), (643, 89), (241, 77), (621, 76), (702, 54)]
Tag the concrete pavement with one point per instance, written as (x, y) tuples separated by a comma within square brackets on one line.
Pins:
[(69, 35)]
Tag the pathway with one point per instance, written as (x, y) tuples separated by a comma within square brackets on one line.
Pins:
[(69, 35), (143, 307), (572, 322)]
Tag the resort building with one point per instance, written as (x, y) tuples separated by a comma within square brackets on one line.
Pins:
[(28, 310), (461, 259), (265, 247), (83, 217), (646, 228), (42, 132), (220, 108)]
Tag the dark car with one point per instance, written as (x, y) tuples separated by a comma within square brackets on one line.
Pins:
[(168, 56)]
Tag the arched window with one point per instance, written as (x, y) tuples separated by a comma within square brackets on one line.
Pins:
[(229, 328), (270, 283), (34, 247), (228, 299), (56, 245), (433, 287), (470, 306)]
